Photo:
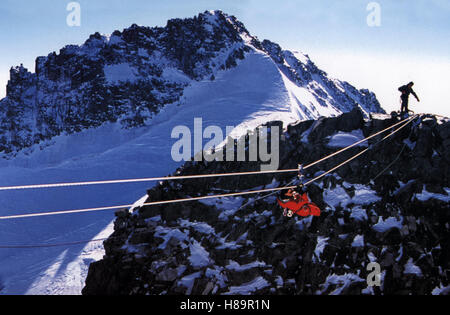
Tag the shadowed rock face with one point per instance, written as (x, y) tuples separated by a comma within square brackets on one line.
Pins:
[(399, 220), (124, 78)]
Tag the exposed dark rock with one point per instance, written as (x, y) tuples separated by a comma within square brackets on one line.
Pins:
[(407, 236)]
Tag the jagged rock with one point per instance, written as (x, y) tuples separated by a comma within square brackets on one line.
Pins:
[(351, 121), (295, 256), (167, 275)]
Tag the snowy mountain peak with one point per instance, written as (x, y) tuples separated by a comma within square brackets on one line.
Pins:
[(131, 75)]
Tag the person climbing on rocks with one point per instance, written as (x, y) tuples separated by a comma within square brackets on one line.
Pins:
[(298, 204), (406, 90)]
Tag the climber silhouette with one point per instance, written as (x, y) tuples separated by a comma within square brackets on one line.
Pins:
[(406, 90)]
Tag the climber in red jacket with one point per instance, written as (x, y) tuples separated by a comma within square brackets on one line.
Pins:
[(298, 204)]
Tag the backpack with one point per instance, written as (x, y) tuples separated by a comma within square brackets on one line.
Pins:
[(403, 89)]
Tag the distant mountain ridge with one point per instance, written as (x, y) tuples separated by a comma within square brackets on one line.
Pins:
[(130, 76)]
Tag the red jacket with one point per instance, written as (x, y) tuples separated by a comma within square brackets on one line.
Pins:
[(301, 206)]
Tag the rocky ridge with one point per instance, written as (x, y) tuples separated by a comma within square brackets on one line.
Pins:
[(398, 218)]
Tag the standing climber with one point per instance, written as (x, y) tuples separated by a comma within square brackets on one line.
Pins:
[(406, 90)]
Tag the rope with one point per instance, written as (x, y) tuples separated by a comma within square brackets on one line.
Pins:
[(156, 203), (338, 166), (395, 160), (50, 245), (360, 153), (138, 180), (203, 197), (359, 142), (152, 179), (267, 196)]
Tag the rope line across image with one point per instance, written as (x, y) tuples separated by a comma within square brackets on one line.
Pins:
[(51, 245), (404, 122), (169, 178)]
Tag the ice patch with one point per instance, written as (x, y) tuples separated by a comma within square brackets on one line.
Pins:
[(155, 219), (339, 197), (237, 267), (279, 281), (199, 256), (305, 135), (200, 227), (358, 241), (188, 281), (345, 139), (342, 281), (425, 195), (400, 253), (390, 223), (139, 203), (247, 288), (441, 290), (410, 268), (359, 214), (321, 243), (228, 245), (217, 275), (371, 257), (167, 233), (229, 206)]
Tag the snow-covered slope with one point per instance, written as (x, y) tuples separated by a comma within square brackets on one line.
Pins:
[(228, 78)]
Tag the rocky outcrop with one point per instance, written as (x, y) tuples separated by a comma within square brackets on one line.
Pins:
[(397, 218)]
